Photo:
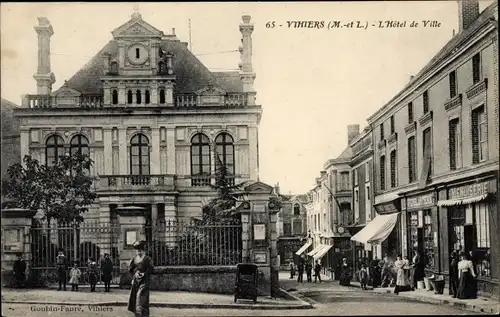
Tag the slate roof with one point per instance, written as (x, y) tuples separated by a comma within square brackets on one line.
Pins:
[(447, 50), (191, 74)]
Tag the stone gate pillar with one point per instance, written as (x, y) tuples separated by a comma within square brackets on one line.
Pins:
[(16, 238)]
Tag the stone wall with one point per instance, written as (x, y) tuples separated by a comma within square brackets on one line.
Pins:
[(203, 279)]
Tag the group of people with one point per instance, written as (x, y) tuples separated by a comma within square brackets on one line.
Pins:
[(75, 273), (307, 266)]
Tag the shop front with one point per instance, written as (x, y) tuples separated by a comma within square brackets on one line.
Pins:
[(287, 248), (420, 219), (468, 223)]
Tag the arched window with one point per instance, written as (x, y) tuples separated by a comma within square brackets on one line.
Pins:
[(139, 155), (139, 97), (162, 96), (114, 97), (200, 155), (147, 97), (296, 210), (113, 69), (130, 97), (54, 149), (79, 144), (225, 151)]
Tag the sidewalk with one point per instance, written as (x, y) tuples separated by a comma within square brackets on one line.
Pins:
[(479, 305), (119, 297)]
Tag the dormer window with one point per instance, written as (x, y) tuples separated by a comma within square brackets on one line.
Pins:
[(137, 53), (139, 97), (113, 69), (114, 97), (129, 97)]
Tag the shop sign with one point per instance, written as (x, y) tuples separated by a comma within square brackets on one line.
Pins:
[(420, 201), (467, 191)]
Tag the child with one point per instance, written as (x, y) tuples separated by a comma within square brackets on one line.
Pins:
[(62, 266), (92, 272), (363, 277), (74, 274)]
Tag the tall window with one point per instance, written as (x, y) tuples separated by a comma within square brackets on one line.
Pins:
[(476, 68), (410, 112), (79, 144), (130, 97), (479, 136), (356, 177), (393, 168), (114, 97), (453, 84), (392, 125), (225, 150), (367, 171), (287, 229), (453, 142), (162, 96), (428, 147), (137, 53), (139, 155), (382, 172), (368, 193), (381, 131), (412, 169), (200, 155), (297, 227), (482, 226), (425, 98), (296, 210), (344, 181), (139, 97), (54, 149), (147, 97)]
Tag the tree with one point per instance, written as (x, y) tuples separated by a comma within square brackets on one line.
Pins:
[(62, 191), (223, 206)]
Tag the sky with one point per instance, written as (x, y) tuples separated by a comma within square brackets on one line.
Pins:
[(310, 82)]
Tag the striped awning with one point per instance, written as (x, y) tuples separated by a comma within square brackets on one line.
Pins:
[(315, 250), (377, 230), (465, 201), (303, 248), (321, 253)]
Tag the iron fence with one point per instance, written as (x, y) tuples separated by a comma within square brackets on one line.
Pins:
[(186, 242)]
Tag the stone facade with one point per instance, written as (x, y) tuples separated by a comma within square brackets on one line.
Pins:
[(146, 106)]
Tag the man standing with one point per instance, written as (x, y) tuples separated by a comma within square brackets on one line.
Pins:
[(92, 273), (107, 270), (384, 264), (19, 270), (62, 266), (317, 272), (301, 271), (309, 268), (292, 270)]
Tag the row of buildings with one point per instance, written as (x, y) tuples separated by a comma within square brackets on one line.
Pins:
[(423, 175)]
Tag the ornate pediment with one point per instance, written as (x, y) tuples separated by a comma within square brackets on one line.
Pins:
[(66, 91), (211, 91), (259, 187), (136, 27)]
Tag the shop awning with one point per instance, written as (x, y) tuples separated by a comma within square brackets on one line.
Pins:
[(303, 248), (315, 250), (322, 252), (377, 230), (465, 201)]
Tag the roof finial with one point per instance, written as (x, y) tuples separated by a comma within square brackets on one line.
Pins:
[(136, 14)]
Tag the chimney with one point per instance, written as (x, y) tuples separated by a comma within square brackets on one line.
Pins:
[(247, 75), (468, 11), (352, 132), (44, 77), (277, 188), (411, 77), (323, 173)]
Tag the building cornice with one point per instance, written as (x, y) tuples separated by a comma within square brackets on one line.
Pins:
[(481, 32), (363, 156)]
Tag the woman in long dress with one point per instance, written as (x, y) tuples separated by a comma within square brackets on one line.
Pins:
[(402, 283), (345, 275), (466, 276), (141, 268)]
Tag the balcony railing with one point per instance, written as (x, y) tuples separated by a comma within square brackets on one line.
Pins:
[(139, 182), (205, 180), (193, 100), (47, 101)]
